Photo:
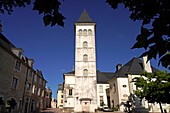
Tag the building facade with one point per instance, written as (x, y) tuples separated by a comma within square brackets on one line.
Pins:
[(53, 103), (80, 86), (60, 96), (17, 80), (122, 89), (86, 89), (48, 97)]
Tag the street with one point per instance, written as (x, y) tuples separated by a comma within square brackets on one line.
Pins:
[(59, 110), (53, 110)]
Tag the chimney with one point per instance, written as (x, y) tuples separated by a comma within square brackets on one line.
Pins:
[(118, 66), (146, 64)]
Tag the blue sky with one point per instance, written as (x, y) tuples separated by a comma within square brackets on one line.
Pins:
[(52, 48)]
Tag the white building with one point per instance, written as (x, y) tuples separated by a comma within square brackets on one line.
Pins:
[(86, 89), (122, 89), (80, 86)]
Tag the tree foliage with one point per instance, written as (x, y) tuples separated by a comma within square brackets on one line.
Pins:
[(154, 39), (49, 8), (155, 13), (153, 87)]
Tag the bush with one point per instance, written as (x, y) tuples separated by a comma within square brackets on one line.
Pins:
[(100, 109), (115, 109)]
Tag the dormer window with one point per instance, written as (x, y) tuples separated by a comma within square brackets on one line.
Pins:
[(85, 58), (89, 32), (85, 44), (85, 72), (80, 32), (85, 32), (19, 54)]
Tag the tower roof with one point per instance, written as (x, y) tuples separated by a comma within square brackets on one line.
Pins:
[(84, 18)]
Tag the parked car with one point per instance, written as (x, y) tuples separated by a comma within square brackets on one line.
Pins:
[(61, 106), (106, 108)]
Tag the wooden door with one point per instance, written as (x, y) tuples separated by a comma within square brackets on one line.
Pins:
[(86, 106)]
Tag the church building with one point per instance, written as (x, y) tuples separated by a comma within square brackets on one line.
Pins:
[(86, 89), (80, 85)]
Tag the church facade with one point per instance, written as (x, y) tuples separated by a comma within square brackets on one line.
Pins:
[(80, 86), (86, 89)]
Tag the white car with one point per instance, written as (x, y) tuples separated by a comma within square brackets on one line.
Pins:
[(106, 108)]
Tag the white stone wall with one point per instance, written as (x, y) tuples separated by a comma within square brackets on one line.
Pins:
[(114, 97), (90, 65), (59, 93), (69, 84), (85, 86), (105, 86), (119, 92), (70, 80), (123, 89)]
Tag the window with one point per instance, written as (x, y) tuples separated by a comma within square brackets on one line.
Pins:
[(28, 86), (32, 105), (19, 54), (85, 32), (85, 72), (100, 89), (40, 81), (35, 78), (43, 83), (101, 100), (70, 92), (85, 58), (80, 32), (30, 74), (61, 96), (34, 89), (61, 101), (89, 32), (42, 94), (124, 86), (85, 44), (14, 82), (20, 104), (18, 65), (114, 88), (39, 91)]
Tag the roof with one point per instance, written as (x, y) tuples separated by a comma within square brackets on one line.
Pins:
[(72, 72), (134, 66), (5, 42), (84, 18), (104, 77)]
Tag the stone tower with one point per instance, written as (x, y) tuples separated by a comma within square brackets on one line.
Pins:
[(85, 65)]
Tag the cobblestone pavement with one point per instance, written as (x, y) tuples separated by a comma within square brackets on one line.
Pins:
[(52, 110), (58, 110)]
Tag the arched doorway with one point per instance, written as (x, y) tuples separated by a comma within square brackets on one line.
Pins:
[(10, 104)]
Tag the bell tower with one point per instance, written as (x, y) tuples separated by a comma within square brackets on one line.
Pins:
[(85, 65)]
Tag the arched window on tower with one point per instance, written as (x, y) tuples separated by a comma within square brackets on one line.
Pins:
[(85, 32), (85, 44), (85, 58), (85, 72), (80, 32), (89, 32)]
